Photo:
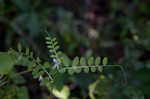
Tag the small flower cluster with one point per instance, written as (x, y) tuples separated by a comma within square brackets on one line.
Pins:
[(56, 66)]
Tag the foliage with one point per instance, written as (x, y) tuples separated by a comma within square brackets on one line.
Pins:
[(47, 74), (91, 28), (6, 63)]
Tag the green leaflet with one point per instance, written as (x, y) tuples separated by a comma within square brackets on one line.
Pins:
[(46, 65), (66, 60), (48, 42), (55, 43), (70, 71), (31, 65), (38, 60), (51, 51), (105, 61), (97, 61), (91, 61), (93, 69), (54, 39), (52, 56), (27, 51), (31, 54), (19, 47), (47, 38), (57, 47), (59, 53), (86, 70), (78, 70), (6, 63), (64, 93), (82, 61), (75, 61), (100, 68), (49, 46), (24, 61)]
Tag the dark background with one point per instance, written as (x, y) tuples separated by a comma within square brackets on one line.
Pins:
[(117, 29)]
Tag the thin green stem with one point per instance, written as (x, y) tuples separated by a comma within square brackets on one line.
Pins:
[(51, 89), (47, 74), (77, 67), (20, 73)]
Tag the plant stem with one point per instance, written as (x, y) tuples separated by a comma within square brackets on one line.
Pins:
[(51, 90), (20, 73)]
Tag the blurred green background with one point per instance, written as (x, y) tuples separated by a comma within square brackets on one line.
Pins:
[(117, 29)]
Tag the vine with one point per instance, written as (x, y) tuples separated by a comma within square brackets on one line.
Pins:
[(47, 72)]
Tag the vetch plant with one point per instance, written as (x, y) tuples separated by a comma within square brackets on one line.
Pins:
[(47, 72)]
